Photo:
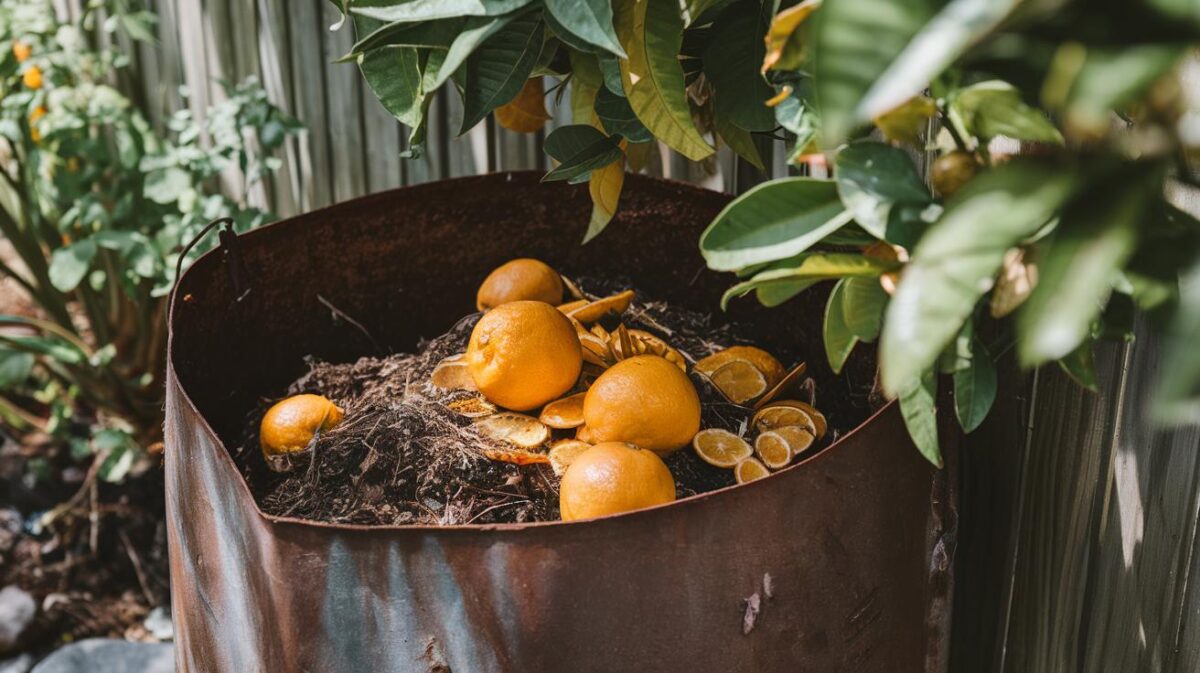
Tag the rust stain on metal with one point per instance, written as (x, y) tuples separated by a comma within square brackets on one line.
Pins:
[(864, 517)]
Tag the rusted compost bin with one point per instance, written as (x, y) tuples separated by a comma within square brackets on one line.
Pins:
[(838, 563)]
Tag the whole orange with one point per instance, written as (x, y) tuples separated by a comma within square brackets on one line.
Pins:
[(613, 477), (32, 77), (524, 354), (645, 401), (518, 280), (290, 424)]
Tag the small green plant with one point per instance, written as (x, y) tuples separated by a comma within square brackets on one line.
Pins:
[(1044, 253), (97, 207)]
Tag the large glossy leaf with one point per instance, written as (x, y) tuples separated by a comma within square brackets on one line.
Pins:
[(586, 81), (651, 31), (854, 42), (441, 64), (955, 262), (604, 186), (1096, 236), (425, 10), (579, 149), (784, 50), (1108, 79), (497, 70), (974, 389), (731, 64), (618, 118), (740, 141), (394, 75), (428, 34), (772, 221), (918, 402), (587, 20), (838, 339), (865, 301), (873, 178), (527, 112), (15, 367), (1080, 365), (807, 270), (994, 108), (69, 264)]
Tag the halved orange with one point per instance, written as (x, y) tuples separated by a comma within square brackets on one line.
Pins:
[(739, 381), (593, 311), (749, 470), (773, 450), (565, 413), (520, 430), (721, 448), (563, 453), (770, 367), (782, 414), (472, 407), (782, 386), (452, 374), (819, 424)]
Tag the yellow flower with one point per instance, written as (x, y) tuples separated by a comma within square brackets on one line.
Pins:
[(38, 113), (32, 77), (21, 50)]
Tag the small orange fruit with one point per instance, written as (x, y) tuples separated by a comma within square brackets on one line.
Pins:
[(32, 77), (613, 477), (721, 448), (645, 401), (523, 354), (290, 425), (520, 280), (22, 50), (749, 470), (37, 113), (565, 413)]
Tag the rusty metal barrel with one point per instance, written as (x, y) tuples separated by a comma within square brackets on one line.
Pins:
[(841, 562)]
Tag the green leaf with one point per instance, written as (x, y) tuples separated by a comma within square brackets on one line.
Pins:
[(604, 186), (1080, 365), (1095, 238), (610, 68), (498, 69), (618, 118), (394, 75), (164, 185), (731, 63), (839, 340), (956, 261), (774, 220), (994, 108), (68, 265), (854, 43), (1177, 399), (1087, 84), (740, 141), (119, 451), (588, 20), (941, 41), (586, 82), (863, 306), (791, 277), (872, 178), (424, 10), (15, 367), (441, 65), (438, 34), (974, 389), (651, 31), (579, 149), (918, 402)]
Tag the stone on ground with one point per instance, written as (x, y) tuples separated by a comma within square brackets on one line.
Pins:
[(104, 655)]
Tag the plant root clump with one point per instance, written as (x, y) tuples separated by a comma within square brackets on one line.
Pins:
[(405, 456)]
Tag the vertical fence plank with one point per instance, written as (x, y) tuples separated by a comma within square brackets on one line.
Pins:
[(276, 74), (343, 92), (306, 28), (382, 149)]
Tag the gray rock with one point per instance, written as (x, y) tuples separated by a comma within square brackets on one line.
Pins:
[(105, 655), (17, 610), (20, 664)]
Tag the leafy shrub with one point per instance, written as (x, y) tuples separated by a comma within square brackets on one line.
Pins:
[(97, 206), (1046, 252)]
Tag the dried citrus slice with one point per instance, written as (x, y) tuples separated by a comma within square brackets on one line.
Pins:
[(472, 407), (819, 424), (721, 448), (749, 470), (626, 343), (517, 456), (600, 332), (572, 288), (773, 450), (571, 306), (596, 310), (771, 369), (782, 414), (524, 431), (565, 413), (563, 453), (782, 386), (595, 349), (452, 374), (798, 437), (739, 381)]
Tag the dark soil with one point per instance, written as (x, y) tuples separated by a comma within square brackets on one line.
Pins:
[(401, 457)]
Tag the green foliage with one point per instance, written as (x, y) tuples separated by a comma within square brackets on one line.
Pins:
[(97, 206), (1046, 253)]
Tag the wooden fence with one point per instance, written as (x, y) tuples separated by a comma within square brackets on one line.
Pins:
[(1078, 531)]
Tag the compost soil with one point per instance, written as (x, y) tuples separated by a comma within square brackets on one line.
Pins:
[(402, 457)]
